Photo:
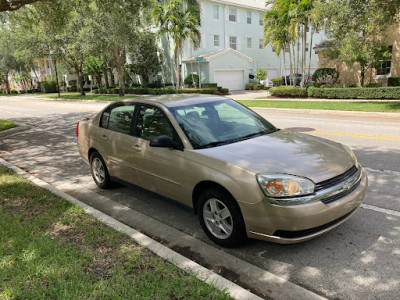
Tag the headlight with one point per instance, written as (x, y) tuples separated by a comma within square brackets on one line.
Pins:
[(282, 185)]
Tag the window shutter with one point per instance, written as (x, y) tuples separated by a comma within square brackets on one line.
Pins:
[(202, 10), (226, 41), (226, 14), (239, 43), (238, 15)]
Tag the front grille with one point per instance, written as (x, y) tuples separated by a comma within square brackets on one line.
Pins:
[(302, 233), (335, 180), (341, 195)]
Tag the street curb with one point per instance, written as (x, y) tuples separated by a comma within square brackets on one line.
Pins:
[(13, 131), (164, 252)]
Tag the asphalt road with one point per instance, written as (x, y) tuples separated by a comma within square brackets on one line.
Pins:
[(358, 260)]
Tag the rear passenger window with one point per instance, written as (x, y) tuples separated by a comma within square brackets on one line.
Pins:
[(118, 118)]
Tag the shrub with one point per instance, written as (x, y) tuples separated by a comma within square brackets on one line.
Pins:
[(224, 91), (72, 83), (261, 74), (277, 81), (191, 80), (48, 86), (209, 85), (351, 85), (394, 81), (22, 91), (288, 91), (13, 91), (373, 85), (325, 75), (253, 86), (355, 93)]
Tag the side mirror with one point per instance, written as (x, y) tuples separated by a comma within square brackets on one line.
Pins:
[(163, 141)]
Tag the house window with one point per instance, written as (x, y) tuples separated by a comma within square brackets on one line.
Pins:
[(248, 42), (273, 49), (232, 14), (307, 46), (248, 17), (232, 42), (216, 40), (287, 50), (260, 44), (260, 21), (385, 65), (215, 12)]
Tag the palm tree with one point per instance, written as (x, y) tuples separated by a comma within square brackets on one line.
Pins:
[(180, 22)]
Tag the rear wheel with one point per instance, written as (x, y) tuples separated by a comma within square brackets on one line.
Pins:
[(220, 218), (99, 171)]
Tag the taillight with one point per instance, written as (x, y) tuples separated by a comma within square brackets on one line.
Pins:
[(77, 129)]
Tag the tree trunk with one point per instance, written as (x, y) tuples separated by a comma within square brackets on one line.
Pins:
[(290, 64), (80, 82), (284, 65), (177, 71), (105, 74), (8, 84), (303, 63), (309, 58), (362, 75), (145, 80)]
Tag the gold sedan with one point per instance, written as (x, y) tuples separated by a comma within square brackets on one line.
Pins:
[(242, 175)]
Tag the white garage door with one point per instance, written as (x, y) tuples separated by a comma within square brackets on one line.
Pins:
[(233, 80)]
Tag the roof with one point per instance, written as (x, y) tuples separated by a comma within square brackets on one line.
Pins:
[(324, 45), (255, 4), (175, 100), (207, 56)]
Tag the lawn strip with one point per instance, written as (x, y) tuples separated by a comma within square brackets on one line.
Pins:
[(392, 106), (4, 125), (76, 96), (51, 249)]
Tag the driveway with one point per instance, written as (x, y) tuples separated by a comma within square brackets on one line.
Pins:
[(358, 260)]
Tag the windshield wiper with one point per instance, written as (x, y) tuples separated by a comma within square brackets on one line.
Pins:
[(242, 138)]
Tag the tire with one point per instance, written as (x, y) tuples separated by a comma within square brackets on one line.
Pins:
[(99, 171), (220, 218)]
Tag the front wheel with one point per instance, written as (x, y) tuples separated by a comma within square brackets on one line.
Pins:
[(99, 171), (220, 218)]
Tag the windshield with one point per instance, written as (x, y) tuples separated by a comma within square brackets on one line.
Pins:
[(218, 123)]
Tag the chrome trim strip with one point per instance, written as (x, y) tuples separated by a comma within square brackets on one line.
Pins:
[(320, 195)]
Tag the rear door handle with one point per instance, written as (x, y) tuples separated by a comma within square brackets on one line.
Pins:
[(104, 137), (137, 148)]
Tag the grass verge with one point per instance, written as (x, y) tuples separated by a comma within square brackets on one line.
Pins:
[(4, 125), (389, 106), (88, 96), (51, 249)]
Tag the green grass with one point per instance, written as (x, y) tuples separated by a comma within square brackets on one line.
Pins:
[(389, 106), (51, 249), (6, 125), (77, 96)]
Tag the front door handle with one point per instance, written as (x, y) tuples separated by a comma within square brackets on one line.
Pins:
[(137, 148), (104, 137)]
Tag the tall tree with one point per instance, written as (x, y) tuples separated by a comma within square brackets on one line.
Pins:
[(145, 60), (359, 28), (180, 22)]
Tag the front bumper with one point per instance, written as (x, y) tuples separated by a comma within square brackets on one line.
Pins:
[(298, 223)]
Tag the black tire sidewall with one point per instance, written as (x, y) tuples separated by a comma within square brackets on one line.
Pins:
[(238, 235), (107, 182)]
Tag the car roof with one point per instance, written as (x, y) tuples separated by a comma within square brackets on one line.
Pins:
[(176, 100)]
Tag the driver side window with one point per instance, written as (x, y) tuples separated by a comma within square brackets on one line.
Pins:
[(152, 123)]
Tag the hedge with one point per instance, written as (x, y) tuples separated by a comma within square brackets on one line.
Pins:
[(394, 81), (162, 91), (288, 91), (355, 93)]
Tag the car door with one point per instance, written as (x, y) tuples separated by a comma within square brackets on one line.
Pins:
[(160, 169), (118, 141)]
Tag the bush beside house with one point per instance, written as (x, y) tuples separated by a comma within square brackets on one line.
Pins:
[(288, 91), (355, 93)]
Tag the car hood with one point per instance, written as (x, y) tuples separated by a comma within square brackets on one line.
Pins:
[(286, 152)]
